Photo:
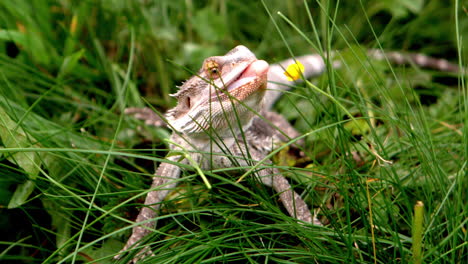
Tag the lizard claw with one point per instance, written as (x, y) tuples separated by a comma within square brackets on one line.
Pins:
[(316, 222)]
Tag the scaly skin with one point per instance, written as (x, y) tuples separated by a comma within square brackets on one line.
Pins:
[(217, 113)]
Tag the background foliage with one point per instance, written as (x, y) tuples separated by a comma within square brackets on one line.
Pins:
[(73, 169)]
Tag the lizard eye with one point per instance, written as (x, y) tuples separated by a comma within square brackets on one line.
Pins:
[(212, 69)]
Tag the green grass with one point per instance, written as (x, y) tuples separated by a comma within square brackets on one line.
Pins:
[(74, 170)]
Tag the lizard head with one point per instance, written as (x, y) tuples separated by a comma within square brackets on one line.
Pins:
[(223, 96)]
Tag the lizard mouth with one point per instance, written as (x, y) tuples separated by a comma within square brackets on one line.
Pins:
[(256, 70), (245, 80)]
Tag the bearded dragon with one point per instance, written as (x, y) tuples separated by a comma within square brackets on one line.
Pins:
[(222, 119)]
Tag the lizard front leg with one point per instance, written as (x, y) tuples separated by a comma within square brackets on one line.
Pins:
[(291, 200), (272, 177), (164, 181)]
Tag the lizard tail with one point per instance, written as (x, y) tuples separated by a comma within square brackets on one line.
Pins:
[(314, 65)]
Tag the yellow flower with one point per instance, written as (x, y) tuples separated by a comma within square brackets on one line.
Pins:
[(294, 71)]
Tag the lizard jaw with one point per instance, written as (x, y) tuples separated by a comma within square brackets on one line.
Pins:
[(251, 78), (237, 103), (257, 69)]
